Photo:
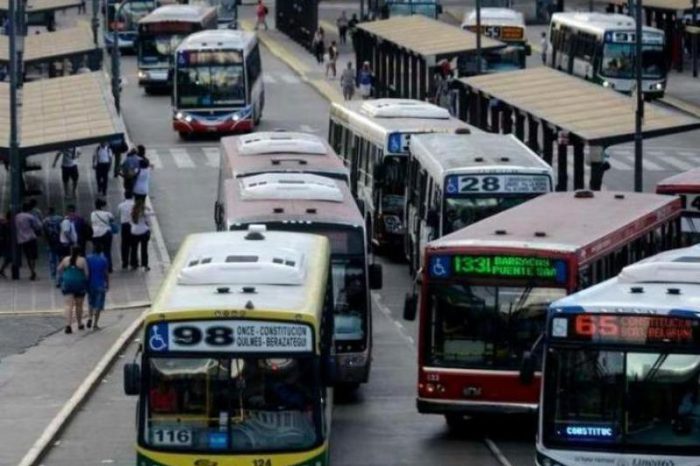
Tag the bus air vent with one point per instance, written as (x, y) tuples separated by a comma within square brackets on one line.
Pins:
[(249, 305), (674, 291), (505, 159), (463, 131), (501, 232), (583, 194), (311, 210), (248, 289), (636, 289), (619, 196), (223, 290), (540, 234), (478, 159), (278, 210)]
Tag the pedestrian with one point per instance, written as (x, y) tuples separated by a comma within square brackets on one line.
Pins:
[(118, 149), (352, 28), (129, 170), (347, 81), (5, 243), (35, 210), (68, 236), (332, 59), (74, 280), (318, 45), (365, 80), (102, 162), (261, 15), (52, 233), (98, 284), (69, 170), (125, 207), (28, 228), (141, 152), (342, 23), (143, 180), (140, 235), (104, 227), (544, 46)]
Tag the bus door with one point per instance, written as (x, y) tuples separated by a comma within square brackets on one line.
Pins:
[(353, 164), (429, 215)]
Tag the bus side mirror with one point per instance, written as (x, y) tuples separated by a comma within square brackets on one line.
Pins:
[(528, 50), (433, 219), (527, 368), (219, 216), (329, 371), (376, 278), (410, 306), (132, 379)]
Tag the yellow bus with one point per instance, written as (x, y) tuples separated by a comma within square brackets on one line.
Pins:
[(237, 355)]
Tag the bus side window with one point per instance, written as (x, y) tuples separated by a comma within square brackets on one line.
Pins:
[(422, 183), (584, 277)]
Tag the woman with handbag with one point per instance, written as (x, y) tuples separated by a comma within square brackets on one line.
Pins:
[(74, 274), (104, 227)]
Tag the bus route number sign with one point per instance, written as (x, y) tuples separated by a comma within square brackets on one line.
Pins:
[(511, 183), (519, 267), (240, 336)]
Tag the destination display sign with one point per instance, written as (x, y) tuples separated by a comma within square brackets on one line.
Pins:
[(167, 27), (456, 185), (629, 37), (506, 33), (239, 336), (627, 329), (538, 269), (209, 57)]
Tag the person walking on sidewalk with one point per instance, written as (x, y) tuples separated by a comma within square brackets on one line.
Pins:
[(365, 80), (28, 227), (318, 45), (143, 180), (140, 235), (103, 229), (342, 23), (347, 81), (52, 233), (118, 149), (69, 169), (129, 169), (74, 280), (98, 284), (102, 162), (544, 47), (68, 236), (332, 60), (261, 12), (125, 207)]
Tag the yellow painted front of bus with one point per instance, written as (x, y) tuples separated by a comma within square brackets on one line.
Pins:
[(316, 457)]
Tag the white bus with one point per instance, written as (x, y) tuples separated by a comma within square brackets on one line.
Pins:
[(621, 380), (218, 86), (507, 26), (456, 180), (600, 47), (372, 137)]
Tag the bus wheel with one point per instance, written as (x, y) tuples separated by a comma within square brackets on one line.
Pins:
[(455, 421), (184, 135), (257, 117), (148, 90)]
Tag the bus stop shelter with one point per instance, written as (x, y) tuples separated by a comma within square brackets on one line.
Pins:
[(41, 12), (403, 51), (60, 113), (75, 44), (545, 107)]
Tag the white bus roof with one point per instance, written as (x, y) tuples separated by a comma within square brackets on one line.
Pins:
[(182, 13), (377, 119), (273, 266), (449, 154), (276, 142), (216, 39), (281, 186), (598, 23), (637, 289), (494, 17)]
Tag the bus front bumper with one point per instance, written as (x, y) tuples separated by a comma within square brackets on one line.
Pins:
[(352, 368), (434, 406), (239, 121)]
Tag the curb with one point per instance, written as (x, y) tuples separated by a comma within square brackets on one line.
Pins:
[(681, 105), (48, 312), (44, 442)]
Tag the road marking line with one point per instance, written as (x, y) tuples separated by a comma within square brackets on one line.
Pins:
[(290, 79), (269, 79), (212, 154), (399, 326), (655, 153), (688, 153), (649, 165), (154, 157), (679, 164), (496, 452), (307, 129), (617, 164), (620, 152), (181, 158)]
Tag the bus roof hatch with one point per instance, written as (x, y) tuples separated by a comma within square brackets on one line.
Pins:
[(280, 142), (286, 186), (404, 108)]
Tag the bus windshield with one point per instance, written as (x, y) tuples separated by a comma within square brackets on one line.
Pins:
[(210, 79), (461, 212), (624, 401), (619, 62), (485, 326), (232, 405), (158, 49), (507, 59)]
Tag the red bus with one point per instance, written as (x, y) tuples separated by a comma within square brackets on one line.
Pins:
[(486, 288), (687, 186)]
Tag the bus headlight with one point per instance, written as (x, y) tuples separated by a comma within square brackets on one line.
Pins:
[(659, 86), (544, 461), (143, 74), (235, 117), (608, 84), (183, 116)]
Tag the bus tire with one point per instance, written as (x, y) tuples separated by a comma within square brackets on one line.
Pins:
[(257, 116), (455, 422), (148, 90), (184, 135)]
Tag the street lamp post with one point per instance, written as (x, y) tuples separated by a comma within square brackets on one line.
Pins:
[(478, 59), (639, 115), (116, 88), (95, 23), (15, 160)]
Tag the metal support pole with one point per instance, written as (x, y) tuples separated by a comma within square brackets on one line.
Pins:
[(547, 142), (116, 80), (478, 50), (562, 160), (507, 120), (15, 160), (579, 162), (694, 40), (639, 116), (519, 125), (532, 134), (95, 21)]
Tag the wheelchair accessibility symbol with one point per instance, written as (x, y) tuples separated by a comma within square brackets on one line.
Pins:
[(452, 185), (440, 266), (158, 338)]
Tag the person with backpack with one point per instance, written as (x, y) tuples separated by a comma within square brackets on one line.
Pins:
[(104, 228), (261, 12), (52, 232), (129, 170), (98, 284), (102, 162), (74, 281), (27, 228)]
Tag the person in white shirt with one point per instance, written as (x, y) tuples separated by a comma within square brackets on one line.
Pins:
[(140, 234), (124, 210), (102, 162), (543, 46), (101, 221), (69, 169), (68, 236), (143, 180)]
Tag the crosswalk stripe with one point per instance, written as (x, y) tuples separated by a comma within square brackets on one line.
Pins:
[(617, 164), (212, 155), (656, 153), (686, 153), (679, 164), (649, 165), (290, 79), (620, 152), (182, 158), (154, 157), (268, 79)]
